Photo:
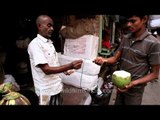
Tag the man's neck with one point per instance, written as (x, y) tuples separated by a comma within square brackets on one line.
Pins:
[(138, 33)]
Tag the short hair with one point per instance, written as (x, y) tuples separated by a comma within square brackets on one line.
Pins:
[(138, 15), (39, 18), (141, 16)]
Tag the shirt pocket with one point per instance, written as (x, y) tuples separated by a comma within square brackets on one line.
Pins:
[(140, 56)]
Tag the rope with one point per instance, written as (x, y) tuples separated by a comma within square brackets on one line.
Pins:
[(81, 74)]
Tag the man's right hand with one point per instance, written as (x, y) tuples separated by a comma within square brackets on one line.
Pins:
[(77, 64), (99, 60)]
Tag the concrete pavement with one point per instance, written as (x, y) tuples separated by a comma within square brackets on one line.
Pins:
[(152, 93)]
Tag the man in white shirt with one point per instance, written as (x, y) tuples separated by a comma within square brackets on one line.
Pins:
[(44, 63)]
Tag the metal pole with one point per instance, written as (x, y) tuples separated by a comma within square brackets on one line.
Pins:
[(113, 32), (100, 34)]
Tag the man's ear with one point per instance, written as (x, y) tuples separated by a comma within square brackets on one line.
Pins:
[(39, 25), (145, 18)]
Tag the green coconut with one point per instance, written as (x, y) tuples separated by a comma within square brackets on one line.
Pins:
[(121, 78)]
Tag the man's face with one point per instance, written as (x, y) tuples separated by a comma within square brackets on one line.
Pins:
[(135, 24), (47, 27)]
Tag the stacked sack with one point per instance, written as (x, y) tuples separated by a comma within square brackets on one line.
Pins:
[(85, 48)]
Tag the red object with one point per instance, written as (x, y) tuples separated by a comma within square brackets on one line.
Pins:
[(106, 44), (106, 39)]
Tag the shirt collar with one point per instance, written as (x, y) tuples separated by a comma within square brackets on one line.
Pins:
[(141, 37), (43, 38)]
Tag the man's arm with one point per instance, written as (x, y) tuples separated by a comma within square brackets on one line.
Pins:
[(51, 70), (149, 77), (111, 60)]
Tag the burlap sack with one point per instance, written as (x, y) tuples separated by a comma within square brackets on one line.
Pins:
[(81, 27)]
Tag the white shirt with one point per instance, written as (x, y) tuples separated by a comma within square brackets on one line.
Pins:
[(41, 51)]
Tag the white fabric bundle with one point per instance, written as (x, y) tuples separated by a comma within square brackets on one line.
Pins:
[(80, 80), (84, 47), (88, 67)]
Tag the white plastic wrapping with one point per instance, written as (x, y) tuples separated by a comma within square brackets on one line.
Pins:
[(11, 79), (84, 47), (80, 80), (88, 67)]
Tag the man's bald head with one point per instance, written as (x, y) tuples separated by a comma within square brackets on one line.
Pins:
[(41, 19), (45, 25)]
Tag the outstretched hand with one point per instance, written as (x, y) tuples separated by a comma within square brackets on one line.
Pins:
[(99, 60), (77, 64)]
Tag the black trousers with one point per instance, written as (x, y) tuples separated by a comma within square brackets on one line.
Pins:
[(56, 99)]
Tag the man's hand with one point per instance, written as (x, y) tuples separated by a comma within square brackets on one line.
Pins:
[(77, 64), (99, 60), (130, 85), (68, 72)]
